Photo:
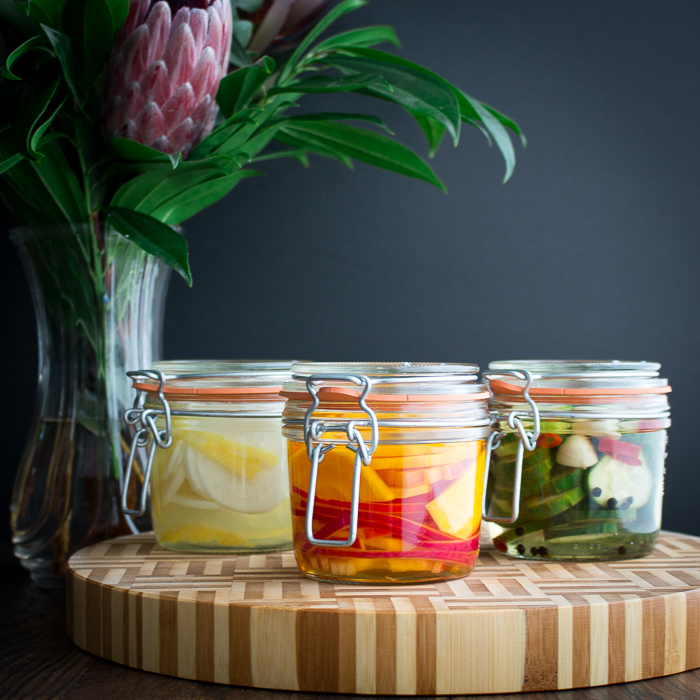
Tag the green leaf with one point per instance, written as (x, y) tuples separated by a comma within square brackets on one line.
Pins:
[(154, 237), (9, 162), (64, 51), (433, 130), (36, 111), (149, 190), (340, 117), (239, 56), (193, 200), (36, 43), (242, 33), (471, 106), (508, 122), (320, 27), (299, 143), (90, 26), (119, 9), (239, 128), (468, 112), (248, 150), (237, 89), (61, 182), (13, 18), (414, 88), (49, 187), (126, 149), (365, 37), (366, 146), (46, 11), (299, 154), (323, 83)]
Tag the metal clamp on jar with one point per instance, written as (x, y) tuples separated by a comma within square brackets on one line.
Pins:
[(386, 466), (575, 464), (208, 439)]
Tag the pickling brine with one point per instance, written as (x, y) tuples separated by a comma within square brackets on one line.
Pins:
[(419, 514)]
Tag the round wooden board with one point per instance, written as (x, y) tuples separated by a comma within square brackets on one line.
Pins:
[(510, 626)]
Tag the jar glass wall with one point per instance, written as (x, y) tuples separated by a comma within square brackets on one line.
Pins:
[(593, 486), (222, 484), (419, 496)]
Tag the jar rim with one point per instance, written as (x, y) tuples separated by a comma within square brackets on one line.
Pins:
[(258, 378), (605, 368)]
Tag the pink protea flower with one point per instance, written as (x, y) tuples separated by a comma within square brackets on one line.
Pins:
[(163, 73)]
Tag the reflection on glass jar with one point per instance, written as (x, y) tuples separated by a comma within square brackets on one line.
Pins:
[(416, 512), (592, 487), (222, 483)]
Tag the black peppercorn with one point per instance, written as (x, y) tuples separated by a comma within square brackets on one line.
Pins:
[(521, 549), (519, 531), (622, 549), (533, 551), (612, 503), (596, 492), (543, 551)]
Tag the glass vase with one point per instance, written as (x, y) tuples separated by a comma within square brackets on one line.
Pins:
[(99, 302)]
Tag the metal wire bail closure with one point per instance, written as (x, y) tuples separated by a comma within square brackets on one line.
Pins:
[(148, 431), (527, 440), (314, 429)]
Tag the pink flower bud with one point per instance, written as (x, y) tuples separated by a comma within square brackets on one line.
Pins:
[(162, 76), (281, 24)]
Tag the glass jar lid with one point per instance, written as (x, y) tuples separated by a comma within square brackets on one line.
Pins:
[(395, 382), (578, 377), (210, 377)]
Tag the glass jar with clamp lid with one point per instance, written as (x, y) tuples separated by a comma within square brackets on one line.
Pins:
[(575, 464), (208, 437), (386, 469)]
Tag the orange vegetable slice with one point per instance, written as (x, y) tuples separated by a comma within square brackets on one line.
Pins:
[(457, 510)]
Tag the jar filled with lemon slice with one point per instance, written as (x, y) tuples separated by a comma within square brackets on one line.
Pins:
[(208, 440)]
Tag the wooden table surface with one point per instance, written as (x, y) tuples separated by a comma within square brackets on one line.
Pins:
[(37, 662)]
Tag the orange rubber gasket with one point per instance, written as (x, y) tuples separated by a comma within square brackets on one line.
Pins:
[(342, 394), (503, 388), (253, 391)]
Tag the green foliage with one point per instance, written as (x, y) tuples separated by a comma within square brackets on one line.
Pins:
[(56, 167), (237, 90), (153, 236)]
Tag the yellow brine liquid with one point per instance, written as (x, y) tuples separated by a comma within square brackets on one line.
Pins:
[(222, 486)]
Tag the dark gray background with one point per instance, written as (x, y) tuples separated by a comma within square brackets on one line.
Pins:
[(591, 250)]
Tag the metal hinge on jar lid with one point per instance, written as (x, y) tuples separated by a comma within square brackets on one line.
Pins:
[(527, 440), (316, 451)]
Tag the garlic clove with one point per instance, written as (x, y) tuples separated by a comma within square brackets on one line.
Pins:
[(577, 451)]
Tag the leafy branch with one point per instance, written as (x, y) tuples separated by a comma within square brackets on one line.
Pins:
[(57, 166)]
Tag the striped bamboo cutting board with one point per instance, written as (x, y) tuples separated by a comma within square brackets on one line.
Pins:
[(510, 626)]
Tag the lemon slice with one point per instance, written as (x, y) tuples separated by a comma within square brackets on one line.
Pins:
[(235, 490), (236, 457)]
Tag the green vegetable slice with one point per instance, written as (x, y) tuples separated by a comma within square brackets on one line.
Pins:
[(537, 508)]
